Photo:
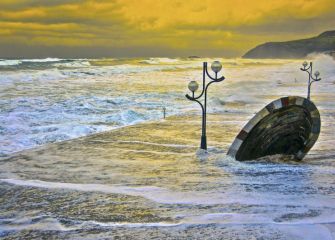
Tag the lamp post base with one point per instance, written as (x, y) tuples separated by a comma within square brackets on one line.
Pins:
[(202, 154), (203, 144)]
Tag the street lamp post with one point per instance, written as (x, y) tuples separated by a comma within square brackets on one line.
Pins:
[(311, 79), (193, 86)]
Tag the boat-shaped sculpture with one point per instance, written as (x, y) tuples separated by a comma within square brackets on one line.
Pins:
[(286, 126)]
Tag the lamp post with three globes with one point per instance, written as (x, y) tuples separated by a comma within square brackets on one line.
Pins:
[(193, 87)]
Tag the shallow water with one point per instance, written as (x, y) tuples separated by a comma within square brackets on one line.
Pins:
[(144, 179)]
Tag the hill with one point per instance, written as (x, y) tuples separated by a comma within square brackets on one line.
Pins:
[(324, 43)]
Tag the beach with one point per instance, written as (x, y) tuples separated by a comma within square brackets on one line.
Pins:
[(95, 158)]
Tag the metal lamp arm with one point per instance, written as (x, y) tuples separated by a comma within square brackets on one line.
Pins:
[(204, 90), (305, 69), (308, 70), (203, 85), (195, 100), (214, 79), (310, 84), (202, 107), (210, 84), (315, 79), (190, 98)]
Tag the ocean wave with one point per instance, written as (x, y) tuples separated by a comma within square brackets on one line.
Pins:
[(42, 60), (12, 77), (4, 62), (34, 121), (84, 68), (70, 92), (45, 63), (160, 61), (73, 64), (16, 62)]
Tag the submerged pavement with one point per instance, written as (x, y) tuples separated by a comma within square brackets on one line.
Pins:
[(145, 181)]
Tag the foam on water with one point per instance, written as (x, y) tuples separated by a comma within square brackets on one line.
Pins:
[(73, 64), (160, 61), (165, 196), (303, 223), (4, 62), (305, 232), (42, 60), (50, 105), (52, 99)]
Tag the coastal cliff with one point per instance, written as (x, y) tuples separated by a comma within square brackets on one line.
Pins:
[(324, 43)]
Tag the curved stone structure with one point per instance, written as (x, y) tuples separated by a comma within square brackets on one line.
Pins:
[(287, 126)]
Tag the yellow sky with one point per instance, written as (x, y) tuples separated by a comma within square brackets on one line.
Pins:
[(93, 28)]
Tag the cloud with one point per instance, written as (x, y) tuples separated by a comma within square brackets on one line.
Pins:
[(126, 27)]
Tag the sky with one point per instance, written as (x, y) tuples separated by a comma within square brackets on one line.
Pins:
[(155, 28)]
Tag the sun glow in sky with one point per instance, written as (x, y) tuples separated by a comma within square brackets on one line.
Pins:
[(128, 28)]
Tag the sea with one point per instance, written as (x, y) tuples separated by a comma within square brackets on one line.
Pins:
[(49, 101)]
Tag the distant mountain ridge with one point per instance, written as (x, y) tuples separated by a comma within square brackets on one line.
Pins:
[(323, 43)]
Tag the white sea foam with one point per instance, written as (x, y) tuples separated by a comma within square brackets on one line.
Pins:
[(74, 93), (42, 60), (4, 62), (78, 121), (301, 231), (52, 112), (166, 196), (19, 77), (160, 61), (38, 106), (73, 64), (28, 223)]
